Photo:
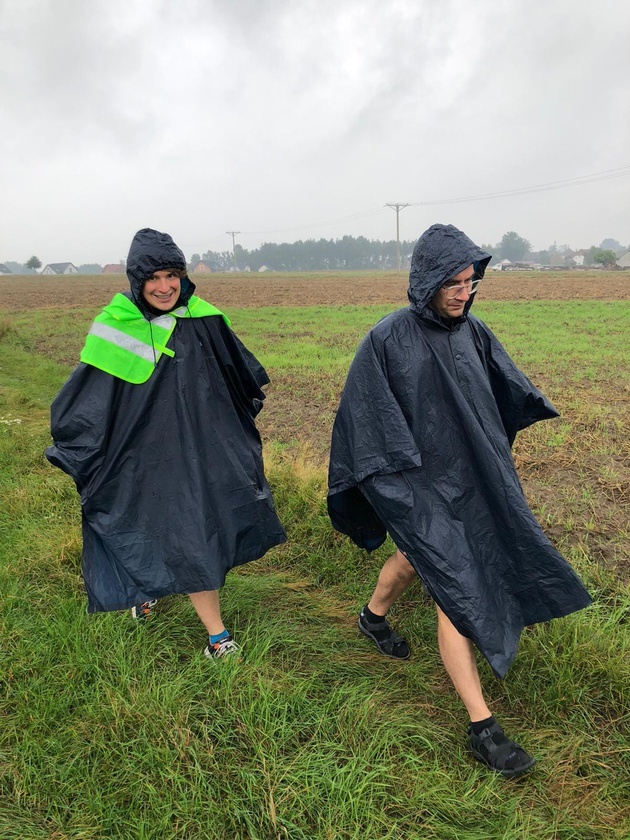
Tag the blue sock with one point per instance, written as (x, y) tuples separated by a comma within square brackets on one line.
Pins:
[(219, 637)]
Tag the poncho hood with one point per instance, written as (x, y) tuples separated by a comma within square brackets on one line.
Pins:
[(441, 252), (151, 251)]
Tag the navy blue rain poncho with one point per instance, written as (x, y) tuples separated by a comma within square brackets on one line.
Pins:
[(421, 448), (170, 471)]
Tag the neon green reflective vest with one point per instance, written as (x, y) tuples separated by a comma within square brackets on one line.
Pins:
[(123, 343)]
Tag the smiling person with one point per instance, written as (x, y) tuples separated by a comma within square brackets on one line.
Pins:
[(421, 449), (156, 427)]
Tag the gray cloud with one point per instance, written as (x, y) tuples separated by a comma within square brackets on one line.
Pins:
[(199, 117)]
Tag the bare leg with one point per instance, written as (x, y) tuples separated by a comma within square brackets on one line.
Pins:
[(458, 656), (396, 575), (207, 607)]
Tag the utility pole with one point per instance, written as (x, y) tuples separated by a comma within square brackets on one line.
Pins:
[(397, 208), (233, 234)]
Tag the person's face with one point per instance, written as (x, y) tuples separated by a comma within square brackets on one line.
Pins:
[(450, 300), (161, 290)]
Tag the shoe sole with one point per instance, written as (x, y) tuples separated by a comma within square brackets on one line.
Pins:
[(382, 652), (507, 774)]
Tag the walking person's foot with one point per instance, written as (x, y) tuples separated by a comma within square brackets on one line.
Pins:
[(143, 611), (220, 646), (489, 745), (386, 640)]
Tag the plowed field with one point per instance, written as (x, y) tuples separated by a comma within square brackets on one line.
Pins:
[(252, 290)]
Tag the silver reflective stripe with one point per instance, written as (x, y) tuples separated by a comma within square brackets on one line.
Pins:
[(180, 311), (166, 322), (121, 339)]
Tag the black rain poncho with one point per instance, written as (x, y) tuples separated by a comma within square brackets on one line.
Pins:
[(421, 448), (170, 471)]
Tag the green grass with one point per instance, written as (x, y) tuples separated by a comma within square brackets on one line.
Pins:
[(325, 338), (116, 730)]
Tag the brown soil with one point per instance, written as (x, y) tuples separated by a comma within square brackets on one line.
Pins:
[(252, 290)]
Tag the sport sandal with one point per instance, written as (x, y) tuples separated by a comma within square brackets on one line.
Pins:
[(224, 647), (386, 640), (143, 611), (497, 752)]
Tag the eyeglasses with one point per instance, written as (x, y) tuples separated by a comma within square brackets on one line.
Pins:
[(455, 289)]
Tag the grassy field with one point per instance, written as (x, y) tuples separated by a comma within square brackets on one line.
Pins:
[(114, 730)]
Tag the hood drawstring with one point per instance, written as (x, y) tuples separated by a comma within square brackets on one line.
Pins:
[(190, 316), (151, 333)]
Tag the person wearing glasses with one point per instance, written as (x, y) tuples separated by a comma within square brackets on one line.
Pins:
[(421, 448)]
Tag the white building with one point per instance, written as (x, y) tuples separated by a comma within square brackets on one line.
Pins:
[(60, 268)]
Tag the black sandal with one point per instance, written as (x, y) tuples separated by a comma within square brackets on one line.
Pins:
[(386, 640), (497, 752)]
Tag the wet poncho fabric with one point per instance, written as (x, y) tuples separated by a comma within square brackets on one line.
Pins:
[(421, 448), (170, 471)]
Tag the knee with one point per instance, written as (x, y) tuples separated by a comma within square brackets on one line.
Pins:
[(404, 570), (446, 626)]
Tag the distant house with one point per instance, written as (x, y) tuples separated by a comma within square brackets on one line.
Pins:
[(239, 268), (501, 266), (579, 257), (265, 268), (624, 260), (60, 268), (4, 269), (113, 268), (202, 267)]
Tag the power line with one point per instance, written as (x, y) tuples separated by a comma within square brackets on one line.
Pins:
[(579, 181)]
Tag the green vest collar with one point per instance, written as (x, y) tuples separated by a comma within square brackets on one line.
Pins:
[(123, 343)]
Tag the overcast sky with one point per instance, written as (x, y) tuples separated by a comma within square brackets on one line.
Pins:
[(296, 119)]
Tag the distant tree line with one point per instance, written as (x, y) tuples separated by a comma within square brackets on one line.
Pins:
[(515, 248), (18, 268), (357, 253), (346, 253), (94, 268)]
